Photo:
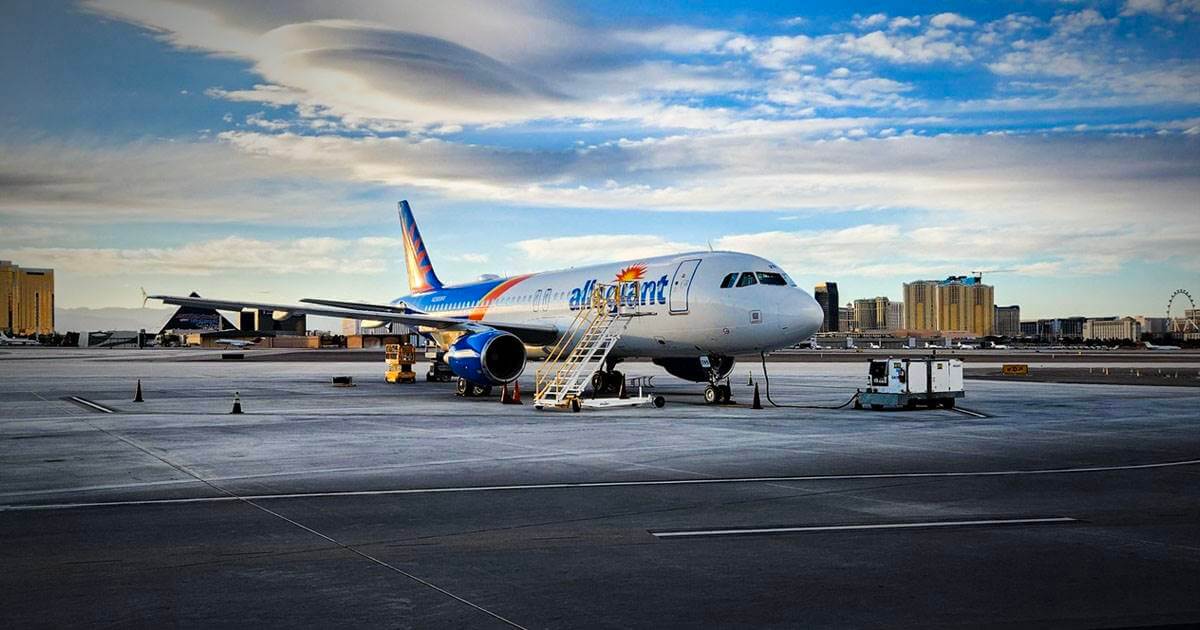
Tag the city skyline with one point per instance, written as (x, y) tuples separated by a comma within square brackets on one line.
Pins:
[(234, 149)]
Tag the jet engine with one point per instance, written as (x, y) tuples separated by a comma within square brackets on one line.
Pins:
[(689, 368), (491, 357)]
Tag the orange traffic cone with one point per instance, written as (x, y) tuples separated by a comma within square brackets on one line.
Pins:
[(757, 401), (516, 394), (137, 395), (504, 394)]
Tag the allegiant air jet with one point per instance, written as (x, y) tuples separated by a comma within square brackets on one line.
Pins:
[(699, 310)]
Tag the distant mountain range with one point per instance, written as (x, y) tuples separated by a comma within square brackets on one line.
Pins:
[(89, 319)]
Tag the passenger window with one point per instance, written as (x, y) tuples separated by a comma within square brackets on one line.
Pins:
[(747, 279), (768, 277), (729, 280)]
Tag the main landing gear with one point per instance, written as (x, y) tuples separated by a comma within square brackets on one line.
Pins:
[(607, 383)]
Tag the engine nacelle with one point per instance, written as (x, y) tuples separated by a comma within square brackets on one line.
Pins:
[(689, 368), (491, 357)]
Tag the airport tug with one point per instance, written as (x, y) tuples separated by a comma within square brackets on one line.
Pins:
[(907, 383)]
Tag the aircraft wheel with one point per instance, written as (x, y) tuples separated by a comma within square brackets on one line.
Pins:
[(479, 391), (615, 379), (659, 401), (948, 403), (711, 395), (462, 387), (599, 382)]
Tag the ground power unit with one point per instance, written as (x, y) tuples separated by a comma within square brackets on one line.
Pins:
[(907, 383)]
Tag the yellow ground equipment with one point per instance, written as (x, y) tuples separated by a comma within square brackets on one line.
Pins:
[(400, 358)]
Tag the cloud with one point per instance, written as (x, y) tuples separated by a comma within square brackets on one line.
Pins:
[(146, 180), (232, 254), (871, 21), (581, 250), (1177, 10), (677, 39), (1093, 179), (949, 20)]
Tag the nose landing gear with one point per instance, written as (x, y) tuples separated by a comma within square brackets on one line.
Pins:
[(717, 369), (718, 394)]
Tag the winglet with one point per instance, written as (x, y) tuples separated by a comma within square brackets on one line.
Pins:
[(421, 276), (144, 296)]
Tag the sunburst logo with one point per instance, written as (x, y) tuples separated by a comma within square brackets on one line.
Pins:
[(632, 272)]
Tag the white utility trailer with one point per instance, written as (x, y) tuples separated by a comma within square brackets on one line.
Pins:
[(907, 383)]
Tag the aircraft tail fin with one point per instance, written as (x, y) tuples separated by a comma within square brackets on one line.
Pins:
[(421, 276)]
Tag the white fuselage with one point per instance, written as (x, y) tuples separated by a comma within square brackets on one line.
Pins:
[(686, 310)]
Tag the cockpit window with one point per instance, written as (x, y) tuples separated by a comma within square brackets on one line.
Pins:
[(747, 279), (769, 277), (729, 280)]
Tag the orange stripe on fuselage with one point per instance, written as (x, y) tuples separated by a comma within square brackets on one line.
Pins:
[(478, 312)]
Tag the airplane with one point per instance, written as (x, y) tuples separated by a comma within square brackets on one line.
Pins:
[(1150, 346), (5, 340), (810, 344), (700, 310), (237, 343), (967, 346)]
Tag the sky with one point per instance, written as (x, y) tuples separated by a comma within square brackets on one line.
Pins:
[(257, 150)]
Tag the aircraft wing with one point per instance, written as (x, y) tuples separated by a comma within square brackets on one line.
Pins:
[(534, 334), (366, 306)]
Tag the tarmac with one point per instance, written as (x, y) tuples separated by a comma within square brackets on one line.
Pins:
[(403, 506)]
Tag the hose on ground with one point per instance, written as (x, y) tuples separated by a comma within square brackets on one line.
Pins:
[(767, 391)]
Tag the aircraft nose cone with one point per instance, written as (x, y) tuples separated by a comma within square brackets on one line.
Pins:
[(801, 315)]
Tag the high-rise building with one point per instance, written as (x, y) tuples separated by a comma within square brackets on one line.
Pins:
[(846, 319), (1008, 321), (1154, 325), (966, 304), (1126, 328), (920, 305), (895, 316), (1054, 329), (958, 303), (871, 313), (826, 295), (26, 300)]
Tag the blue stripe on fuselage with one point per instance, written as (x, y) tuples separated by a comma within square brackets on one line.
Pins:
[(468, 295)]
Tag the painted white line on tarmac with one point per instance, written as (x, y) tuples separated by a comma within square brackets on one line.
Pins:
[(96, 406), (602, 484), (837, 528)]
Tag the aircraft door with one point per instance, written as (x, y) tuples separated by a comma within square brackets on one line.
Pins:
[(681, 284)]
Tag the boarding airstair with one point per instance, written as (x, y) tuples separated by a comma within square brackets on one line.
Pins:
[(584, 347)]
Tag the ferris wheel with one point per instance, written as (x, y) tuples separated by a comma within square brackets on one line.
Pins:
[(1178, 306)]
